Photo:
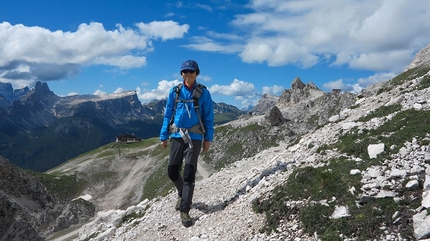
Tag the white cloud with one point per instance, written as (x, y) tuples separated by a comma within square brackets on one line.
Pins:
[(54, 55), (99, 92), (242, 91), (118, 90), (227, 36), (236, 88), (247, 104), (124, 62), (273, 90), (376, 78), (278, 52), (394, 25), (163, 29), (72, 94), (40, 45), (338, 84), (379, 35), (395, 61), (161, 92), (205, 78)]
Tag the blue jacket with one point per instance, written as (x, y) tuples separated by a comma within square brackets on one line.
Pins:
[(186, 115)]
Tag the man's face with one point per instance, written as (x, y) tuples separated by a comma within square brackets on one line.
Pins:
[(189, 76)]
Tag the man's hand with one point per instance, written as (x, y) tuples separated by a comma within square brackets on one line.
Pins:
[(163, 144), (206, 145)]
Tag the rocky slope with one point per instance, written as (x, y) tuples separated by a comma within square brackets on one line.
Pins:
[(382, 141), (30, 211), (303, 108)]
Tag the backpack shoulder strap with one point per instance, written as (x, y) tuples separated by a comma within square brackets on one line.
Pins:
[(196, 95), (176, 89)]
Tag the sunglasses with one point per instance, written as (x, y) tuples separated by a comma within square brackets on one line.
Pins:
[(188, 71)]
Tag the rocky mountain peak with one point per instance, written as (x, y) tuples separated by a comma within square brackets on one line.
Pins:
[(6, 90), (34, 109), (297, 84), (311, 85), (42, 89), (299, 92), (9, 94), (422, 58)]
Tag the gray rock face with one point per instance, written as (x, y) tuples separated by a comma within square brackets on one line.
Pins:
[(275, 117), (422, 58), (297, 84), (265, 104), (10, 94), (299, 92)]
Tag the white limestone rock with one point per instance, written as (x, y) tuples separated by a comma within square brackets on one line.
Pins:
[(374, 149), (421, 225), (340, 212)]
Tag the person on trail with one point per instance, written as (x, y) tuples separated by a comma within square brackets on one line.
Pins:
[(189, 121)]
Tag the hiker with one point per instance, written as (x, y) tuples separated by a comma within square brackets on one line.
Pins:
[(189, 120)]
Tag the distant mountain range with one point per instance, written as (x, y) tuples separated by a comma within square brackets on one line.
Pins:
[(40, 130)]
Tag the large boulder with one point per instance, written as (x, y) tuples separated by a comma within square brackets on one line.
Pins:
[(275, 117)]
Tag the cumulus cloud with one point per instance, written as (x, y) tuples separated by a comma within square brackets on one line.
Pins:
[(163, 29), (72, 94), (118, 90), (30, 54), (99, 92), (375, 35), (245, 92), (161, 92), (376, 78), (285, 52), (236, 88), (273, 90)]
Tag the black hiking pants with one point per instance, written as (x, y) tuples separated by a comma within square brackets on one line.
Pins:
[(179, 150)]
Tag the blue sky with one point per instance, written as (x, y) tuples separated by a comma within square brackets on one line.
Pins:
[(244, 48)]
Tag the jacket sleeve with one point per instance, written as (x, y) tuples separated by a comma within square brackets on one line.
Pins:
[(164, 132), (208, 116)]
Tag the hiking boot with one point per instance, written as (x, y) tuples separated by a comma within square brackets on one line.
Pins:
[(178, 204), (186, 219)]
